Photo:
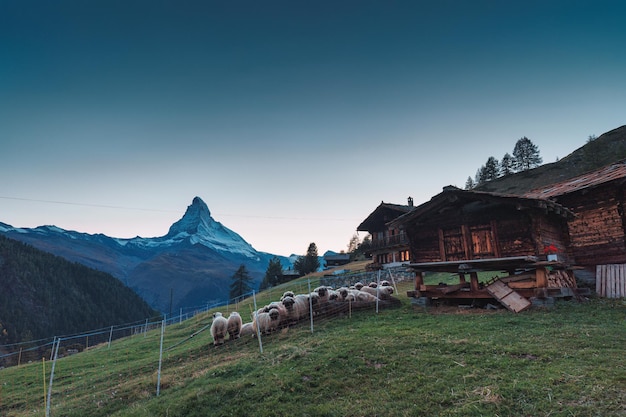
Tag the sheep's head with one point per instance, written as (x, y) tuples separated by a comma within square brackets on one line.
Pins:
[(314, 297), (322, 291), (217, 314), (358, 285), (288, 302), (385, 283), (343, 292), (373, 285), (274, 314), (288, 294)]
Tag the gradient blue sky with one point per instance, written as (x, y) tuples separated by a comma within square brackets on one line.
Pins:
[(292, 120)]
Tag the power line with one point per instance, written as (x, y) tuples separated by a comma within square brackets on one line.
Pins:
[(69, 203)]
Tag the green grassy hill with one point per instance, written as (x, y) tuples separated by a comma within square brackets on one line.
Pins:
[(404, 361)]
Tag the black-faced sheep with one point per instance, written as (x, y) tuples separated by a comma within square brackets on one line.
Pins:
[(219, 328), (234, 325), (266, 323), (292, 310), (287, 294), (322, 294)]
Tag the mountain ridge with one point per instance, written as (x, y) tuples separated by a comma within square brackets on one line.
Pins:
[(190, 265)]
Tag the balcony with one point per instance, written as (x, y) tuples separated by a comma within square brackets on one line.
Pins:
[(390, 241)]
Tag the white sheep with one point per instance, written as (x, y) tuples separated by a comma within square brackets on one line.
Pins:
[(380, 292), (322, 294), (293, 314), (219, 328), (364, 296), (247, 330), (287, 294), (234, 325), (301, 306), (266, 323)]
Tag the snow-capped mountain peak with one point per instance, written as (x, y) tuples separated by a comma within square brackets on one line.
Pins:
[(198, 226)]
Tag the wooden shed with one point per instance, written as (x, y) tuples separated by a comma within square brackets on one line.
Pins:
[(389, 244), (465, 232), (598, 230)]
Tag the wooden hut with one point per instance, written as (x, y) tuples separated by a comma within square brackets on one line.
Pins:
[(389, 245), (598, 231), (465, 232)]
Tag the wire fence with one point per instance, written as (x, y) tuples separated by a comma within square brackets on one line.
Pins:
[(114, 367)]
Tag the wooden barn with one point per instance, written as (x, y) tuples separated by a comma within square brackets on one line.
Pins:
[(464, 232), (597, 233)]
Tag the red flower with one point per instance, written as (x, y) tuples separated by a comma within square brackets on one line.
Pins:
[(550, 249)]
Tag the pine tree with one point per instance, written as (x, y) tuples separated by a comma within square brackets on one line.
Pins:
[(526, 155), (240, 283), (308, 263), (469, 184), (272, 273), (506, 165), (491, 169)]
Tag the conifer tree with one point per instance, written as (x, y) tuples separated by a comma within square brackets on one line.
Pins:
[(272, 273), (526, 155), (506, 165), (308, 263), (240, 283)]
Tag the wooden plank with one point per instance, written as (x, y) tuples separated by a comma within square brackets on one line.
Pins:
[(507, 297), (453, 288)]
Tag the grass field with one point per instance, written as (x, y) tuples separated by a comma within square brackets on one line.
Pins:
[(569, 360)]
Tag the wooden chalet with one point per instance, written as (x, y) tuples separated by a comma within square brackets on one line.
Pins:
[(389, 244), (464, 232), (597, 233)]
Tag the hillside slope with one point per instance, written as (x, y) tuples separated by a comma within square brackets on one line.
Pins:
[(43, 295), (608, 148)]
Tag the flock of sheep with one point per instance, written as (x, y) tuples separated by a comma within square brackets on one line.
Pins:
[(293, 308)]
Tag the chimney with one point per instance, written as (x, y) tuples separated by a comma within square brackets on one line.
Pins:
[(410, 201)]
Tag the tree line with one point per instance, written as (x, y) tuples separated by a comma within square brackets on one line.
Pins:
[(43, 295), (525, 156), (241, 281)]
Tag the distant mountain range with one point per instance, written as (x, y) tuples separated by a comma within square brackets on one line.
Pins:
[(190, 266)]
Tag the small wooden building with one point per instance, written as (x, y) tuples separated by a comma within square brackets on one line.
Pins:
[(389, 244), (464, 232), (598, 230)]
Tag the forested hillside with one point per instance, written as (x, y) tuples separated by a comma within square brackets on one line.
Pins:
[(42, 295), (606, 149)]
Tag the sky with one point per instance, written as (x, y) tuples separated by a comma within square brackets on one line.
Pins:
[(292, 120)]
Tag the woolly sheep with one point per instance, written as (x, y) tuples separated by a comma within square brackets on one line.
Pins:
[(364, 296), (293, 314), (380, 292), (219, 327), (247, 330), (322, 294), (234, 325), (266, 323), (301, 306), (287, 294)]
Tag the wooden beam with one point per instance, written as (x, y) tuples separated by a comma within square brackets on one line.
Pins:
[(474, 281), (419, 281)]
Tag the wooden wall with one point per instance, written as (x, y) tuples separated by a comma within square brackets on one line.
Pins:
[(597, 233), (512, 232)]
